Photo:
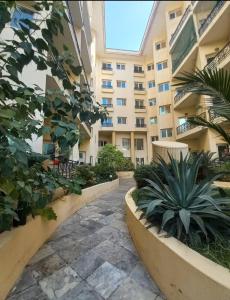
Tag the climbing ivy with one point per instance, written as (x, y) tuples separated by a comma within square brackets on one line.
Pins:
[(25, 185)]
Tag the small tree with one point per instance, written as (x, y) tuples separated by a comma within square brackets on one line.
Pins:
[(24, 185)]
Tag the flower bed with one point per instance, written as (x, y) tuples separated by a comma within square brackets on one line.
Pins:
[(180, 272), (27, 239)]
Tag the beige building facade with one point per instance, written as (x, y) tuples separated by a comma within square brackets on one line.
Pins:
[(137, 87)]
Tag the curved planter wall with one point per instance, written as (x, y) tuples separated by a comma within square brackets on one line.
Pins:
[(180, 272), (125, 174), (20, 244)]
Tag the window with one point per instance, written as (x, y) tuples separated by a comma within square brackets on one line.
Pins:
[(121, 84), (160, 45), (175, 13), (152, 102), (167, 132), (154, 138), (140, 122), (139, 144), (151, 84), (107, 66), (107, 102), (153, 120), (19, 14), (125, 143), (140, 161), (120, 66), (102, 143), (162, 65), (138, 85), (107, 84), (150, 67), (121, 120), (163, 87), (164, 109), (138, 69), (139, 103), (121, 101), (108, 122)]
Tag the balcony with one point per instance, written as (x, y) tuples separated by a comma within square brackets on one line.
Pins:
[(107, 68), (219, 58), (139, 90), (211, 16), (140, 125), (107, 125), (180, 25), (187, 127), (138, 72), (107, 88), (107, 105), (140, 107)]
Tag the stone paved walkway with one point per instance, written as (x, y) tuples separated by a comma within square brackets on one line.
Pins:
[(90, 257)]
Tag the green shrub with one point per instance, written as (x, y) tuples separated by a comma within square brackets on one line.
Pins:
[(224, 169), (184, 208), (87, 174), (104, 173), (109, 155), (142, 173)]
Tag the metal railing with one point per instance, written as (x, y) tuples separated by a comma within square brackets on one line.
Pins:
[(220, 56), (140, 106), (65, 167), (107, 124), (136, 88), (140, 125), (211, 16), (182, 21), (106, 86), (180, 94), (107, 68), (212, 115), (107, 105), (188, 126), (138, 71)]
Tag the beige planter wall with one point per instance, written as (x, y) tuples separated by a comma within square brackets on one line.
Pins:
[(180, 272), (20, 244), (125, 174)]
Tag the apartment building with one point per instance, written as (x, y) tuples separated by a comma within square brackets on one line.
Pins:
[(137, 87)]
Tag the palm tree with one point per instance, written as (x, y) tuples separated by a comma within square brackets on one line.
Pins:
[(215, 84)]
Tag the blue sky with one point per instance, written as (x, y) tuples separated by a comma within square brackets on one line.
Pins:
[(125, 23)]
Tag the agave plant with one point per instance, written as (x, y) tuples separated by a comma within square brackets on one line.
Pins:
[(183, 207)]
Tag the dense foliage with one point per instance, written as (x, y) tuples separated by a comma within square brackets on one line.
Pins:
[(92, 175), (183, 207), (25, 186), (109, 155)]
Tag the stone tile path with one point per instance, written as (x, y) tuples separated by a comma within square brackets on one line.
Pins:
[(90, 257)]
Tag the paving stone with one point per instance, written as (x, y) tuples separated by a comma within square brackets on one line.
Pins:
[(61, 243), (70, 254), (47, 266), (130, 289), (116, 255), (112, 217), (31, 293), (88, 210), (24, 282), (141, 276), (86, 264), (75, 218), (45, 251), (106, 279), (120, 225), (59, 283), (91, 225), (81, 292)]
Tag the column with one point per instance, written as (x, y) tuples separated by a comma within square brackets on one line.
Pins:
[(132, 147), (114, 138)]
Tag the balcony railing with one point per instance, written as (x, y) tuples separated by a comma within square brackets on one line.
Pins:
[(212, 115), (107, 68), (65, 167), (182, 21), (136, 88), (187, 126), (211, 16), (180, 94), (140, 125), (220, 56), (140, 106), (107, 124), (106, 86), (138, 71), (107, 104)]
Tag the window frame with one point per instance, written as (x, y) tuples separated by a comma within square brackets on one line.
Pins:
[(161, 113), (121, 86), (122, 99), (121, 66), (163, 64), (122, 118), (106, 85), (166, 131), (141, 145), (151, 120), (127, 145), (163, 84), (150, 101), (151, 84)]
